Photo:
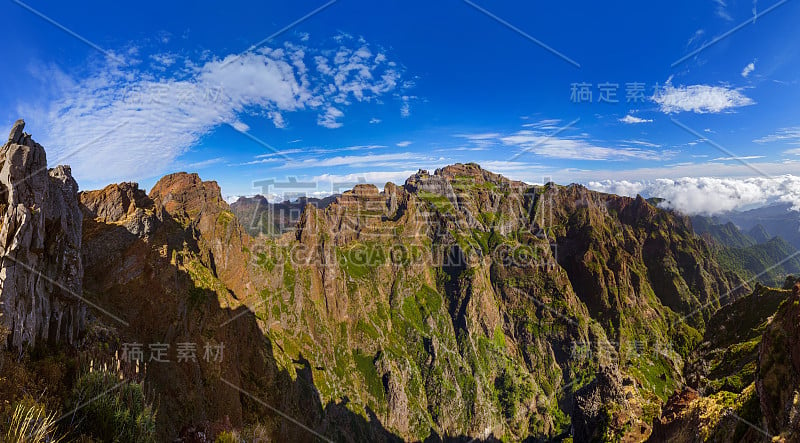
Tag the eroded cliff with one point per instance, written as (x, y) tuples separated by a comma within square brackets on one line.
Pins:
[(41, 272)]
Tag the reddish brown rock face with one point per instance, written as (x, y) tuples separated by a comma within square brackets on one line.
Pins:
[(183, 194), (145, 257), (199, 206), (114, 202)]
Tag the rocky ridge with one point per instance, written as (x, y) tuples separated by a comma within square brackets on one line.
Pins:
[(460, 304)]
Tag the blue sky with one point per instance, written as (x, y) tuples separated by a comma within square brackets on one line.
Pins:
[(372, 91)]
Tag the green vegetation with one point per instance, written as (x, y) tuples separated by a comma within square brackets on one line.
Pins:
[(266, 261), (512, 391), (765, 260), (112, 410), (372, 380), (203, 278), (289, 277), (684, 338), (225, 218), (438, 202), (362, 259)]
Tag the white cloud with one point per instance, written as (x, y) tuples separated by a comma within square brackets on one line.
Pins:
[(374, 121), (642, 143), (377, 178), (629, 119), (748, 69), (700, 99), (277, 119), (281, 153), (240, 126), (464, 148), (789, 136), (709, 195), (330, 118), (546, 124), (697, 34), (358, 160), (202, 164), (123, 123), (739, 158), (404, 143), (165, 60), (722, 10), (508, 167), (476, 137), (405, 108), (577, 148)]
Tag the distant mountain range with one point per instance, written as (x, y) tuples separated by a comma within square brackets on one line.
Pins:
[(761, 244)]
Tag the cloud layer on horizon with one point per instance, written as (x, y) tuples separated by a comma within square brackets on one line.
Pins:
[(710, 195)]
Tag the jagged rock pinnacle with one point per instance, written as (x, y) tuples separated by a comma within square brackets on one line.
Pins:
[(16, 134), (40, 241)]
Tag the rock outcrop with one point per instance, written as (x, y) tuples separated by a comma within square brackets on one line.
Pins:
[(397, 296), (593, 410), (258, 216), (778, 378), (41, 273)]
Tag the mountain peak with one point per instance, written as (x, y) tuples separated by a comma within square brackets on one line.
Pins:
[(16, 134)]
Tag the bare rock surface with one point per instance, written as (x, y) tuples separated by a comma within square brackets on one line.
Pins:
[(40, 239)]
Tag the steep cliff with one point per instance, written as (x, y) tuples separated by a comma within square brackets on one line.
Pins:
[(743, 380), (40, 241), (464, 303), (155, 264)]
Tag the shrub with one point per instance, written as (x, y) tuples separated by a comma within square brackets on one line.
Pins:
[(111, 410), (228, 437)]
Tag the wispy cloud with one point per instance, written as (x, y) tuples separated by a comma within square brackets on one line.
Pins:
[(629, 119), (298, 154), (722, 10), (480, 136), (194, 166), (165, 114), (546, 124), (696, 37), (464, 148), (509, 167), (700, 99), (330, 119), (790, 136), (642, 143), (747, 70), (738, 158), (358, 160), (403, 144), (405, 108), (577, 148), (378, 178)]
